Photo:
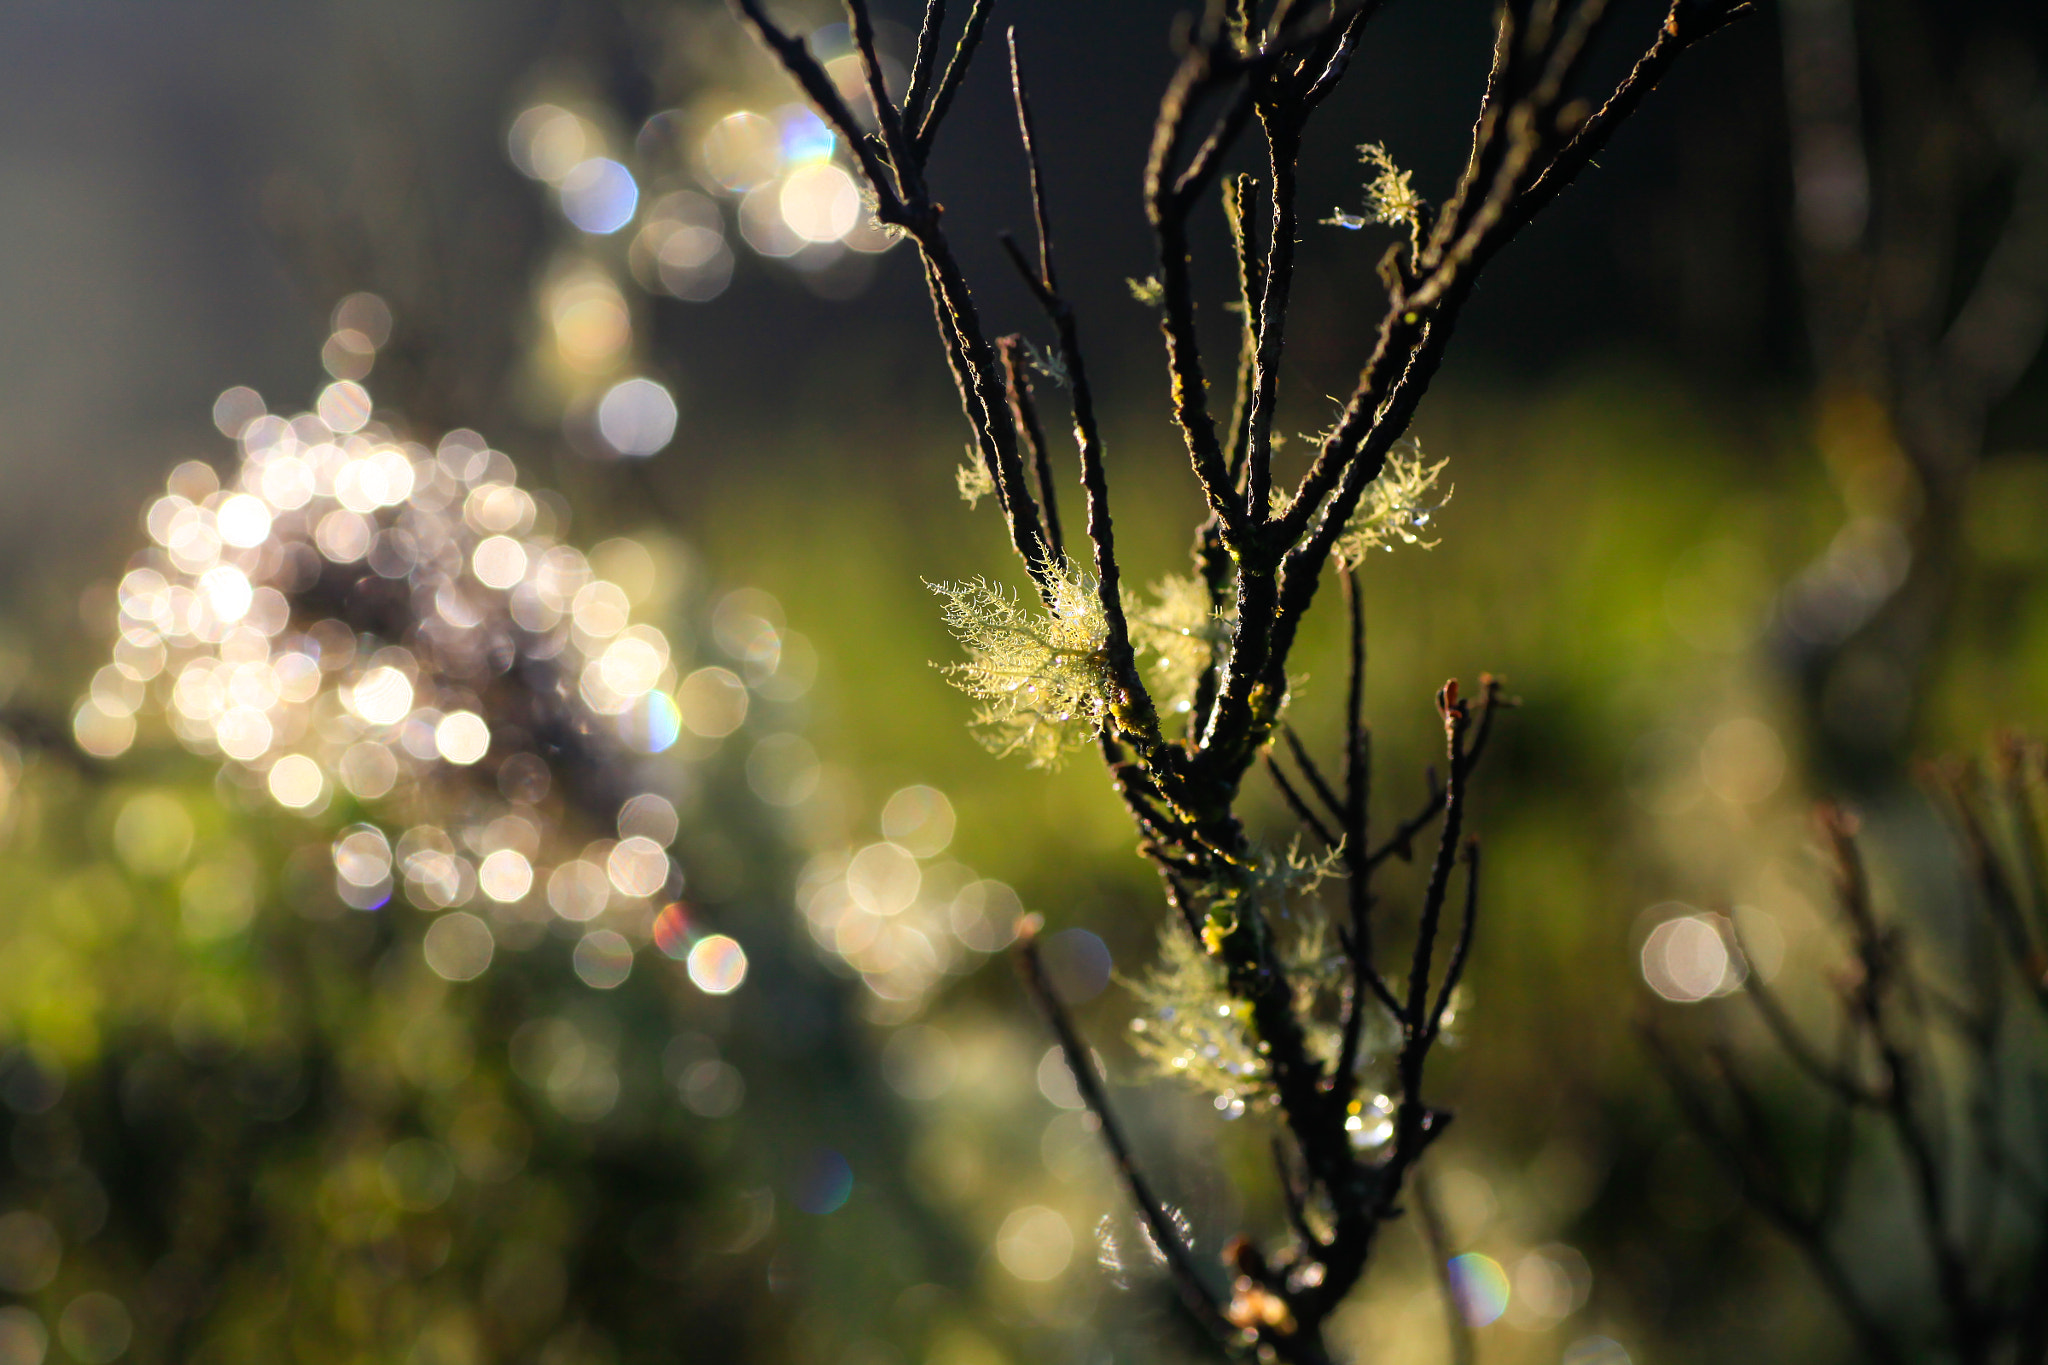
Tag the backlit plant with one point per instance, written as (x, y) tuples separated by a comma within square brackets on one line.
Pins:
[(1248, 999)]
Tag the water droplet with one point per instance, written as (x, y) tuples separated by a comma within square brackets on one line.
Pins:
[(1370, 1123)]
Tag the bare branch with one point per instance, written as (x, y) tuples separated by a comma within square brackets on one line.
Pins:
[(803, 68), (1457, 717), (1031, 438), (949, 84), (1840, 1083), (1028, 137), (1455, 971), (1437, 1239), (1331, 802), (1297, 805), (1179, 1259), (887, 117), (925, 65), (1283, 147), (1401, 842)]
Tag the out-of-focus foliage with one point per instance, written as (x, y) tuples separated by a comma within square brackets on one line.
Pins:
[(330, 1058)]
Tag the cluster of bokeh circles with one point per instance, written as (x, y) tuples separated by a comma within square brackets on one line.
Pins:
[(359, 624), (354, 617), (899, 913), (791, 198)]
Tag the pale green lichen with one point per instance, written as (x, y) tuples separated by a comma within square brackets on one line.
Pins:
[(1178, 635), (1048, 363), (1195, 1029), (972, 479), (1041, 675), (1396, 506), (1390, 197)]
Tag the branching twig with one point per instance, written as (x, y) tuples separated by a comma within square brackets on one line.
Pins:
[(1978, 1225), (1259, 562)]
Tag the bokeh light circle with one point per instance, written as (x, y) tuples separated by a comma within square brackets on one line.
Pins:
[(462, 737), (296, 782), (1690, 957), (1480, 1287), (603, 959), (637, 417), (717, 965), (819, 202), (1035, 1243), (505, 875), (599, 196), (459, 946), (95, 1328)]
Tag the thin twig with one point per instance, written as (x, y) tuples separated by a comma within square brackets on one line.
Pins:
[(1293, 1196), (1297, 805), (887, 117), (1837, 1082), (1437, 1239), (1457, 717), (925, 65), (1900, 1105), (1031, 438), (1179, 1260), (1358, 944), (949, 84), (1028, 137), (796, 59), (1324, 792), (1455, 970)]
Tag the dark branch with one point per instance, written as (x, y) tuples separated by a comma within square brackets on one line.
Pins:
[(1297, 805), (949, 84), (1331, 802), (1455, 971), (1179, 1260), (1031, 438), (925, 65)]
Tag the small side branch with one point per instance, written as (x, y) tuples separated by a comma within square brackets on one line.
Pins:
[(1436, 1239), (1324, 793), (1455, 971), (1031, 439), (949, 84), (1401, 843), (1200, 1302), (1301, 809), (924, 66), (1457, 720), (803, 68)]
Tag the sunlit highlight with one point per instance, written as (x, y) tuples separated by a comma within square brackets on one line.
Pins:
[(717, 965), (1480, 1287)]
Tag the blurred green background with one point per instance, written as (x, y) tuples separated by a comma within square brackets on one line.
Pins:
[(270, 1128)]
